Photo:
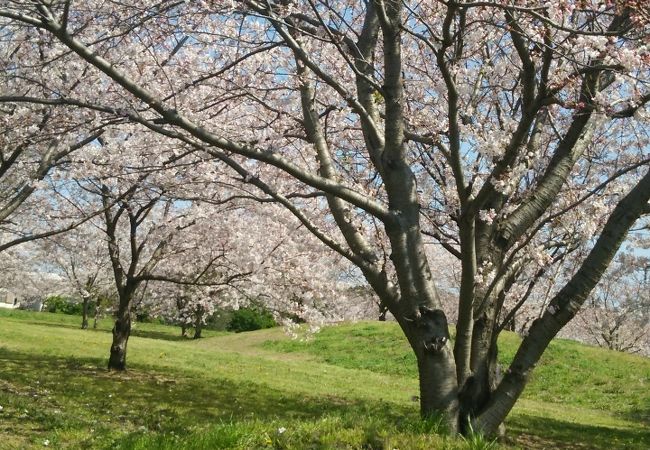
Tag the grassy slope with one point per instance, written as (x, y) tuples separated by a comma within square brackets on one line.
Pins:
[(578, 393), (351, 387)]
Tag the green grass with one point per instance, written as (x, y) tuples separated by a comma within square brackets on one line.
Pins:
[(569, 374), (349, 387), (140, 329)]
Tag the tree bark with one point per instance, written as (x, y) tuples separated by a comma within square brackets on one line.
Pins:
[(564, 306), (464, 328), (198, 322), (198, 327), (438, 387), (97, 313), (484, 362), (429, 338), (84, 314), (121, 333)]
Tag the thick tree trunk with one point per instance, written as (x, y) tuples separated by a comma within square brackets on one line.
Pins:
[(121, 333), (424, 323), (84, 313), (438, 387), (429, 337), (477, 390)]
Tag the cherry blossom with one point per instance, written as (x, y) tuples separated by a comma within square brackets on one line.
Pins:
[(512, 135)]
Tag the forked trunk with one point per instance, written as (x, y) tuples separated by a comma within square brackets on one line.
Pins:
[(564, 306), (121, 333)]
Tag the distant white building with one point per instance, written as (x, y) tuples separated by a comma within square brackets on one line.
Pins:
[(30, 289), (9, 299)]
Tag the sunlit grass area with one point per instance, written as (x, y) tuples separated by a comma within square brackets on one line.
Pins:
[(350, 386)]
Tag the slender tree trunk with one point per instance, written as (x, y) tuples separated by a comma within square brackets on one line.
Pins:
[(84, 317), (97, 314), (121, 333), (197, 330), (464, 329), (181, 303), (484, 358), (198, 324)]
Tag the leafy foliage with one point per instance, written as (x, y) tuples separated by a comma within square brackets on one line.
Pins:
[(64, 305), (250, 319)]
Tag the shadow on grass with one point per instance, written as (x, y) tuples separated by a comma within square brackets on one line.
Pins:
[(61, 325), (639, 414), (105, 410), (69, 326), (551, 433), (149, 334), (142, 399)]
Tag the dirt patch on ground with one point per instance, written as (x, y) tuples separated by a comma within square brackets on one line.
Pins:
[(251, 343)]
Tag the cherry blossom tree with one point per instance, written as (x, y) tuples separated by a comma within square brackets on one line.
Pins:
[(513, 134), (34, 144), (36, 148), (30, 206), (142, 229), (270, 262), (25, 275), (138, 233), (187, 305), (617, 313), (81, 256)]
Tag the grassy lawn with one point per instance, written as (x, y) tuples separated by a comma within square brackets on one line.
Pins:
[(352, 386)]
